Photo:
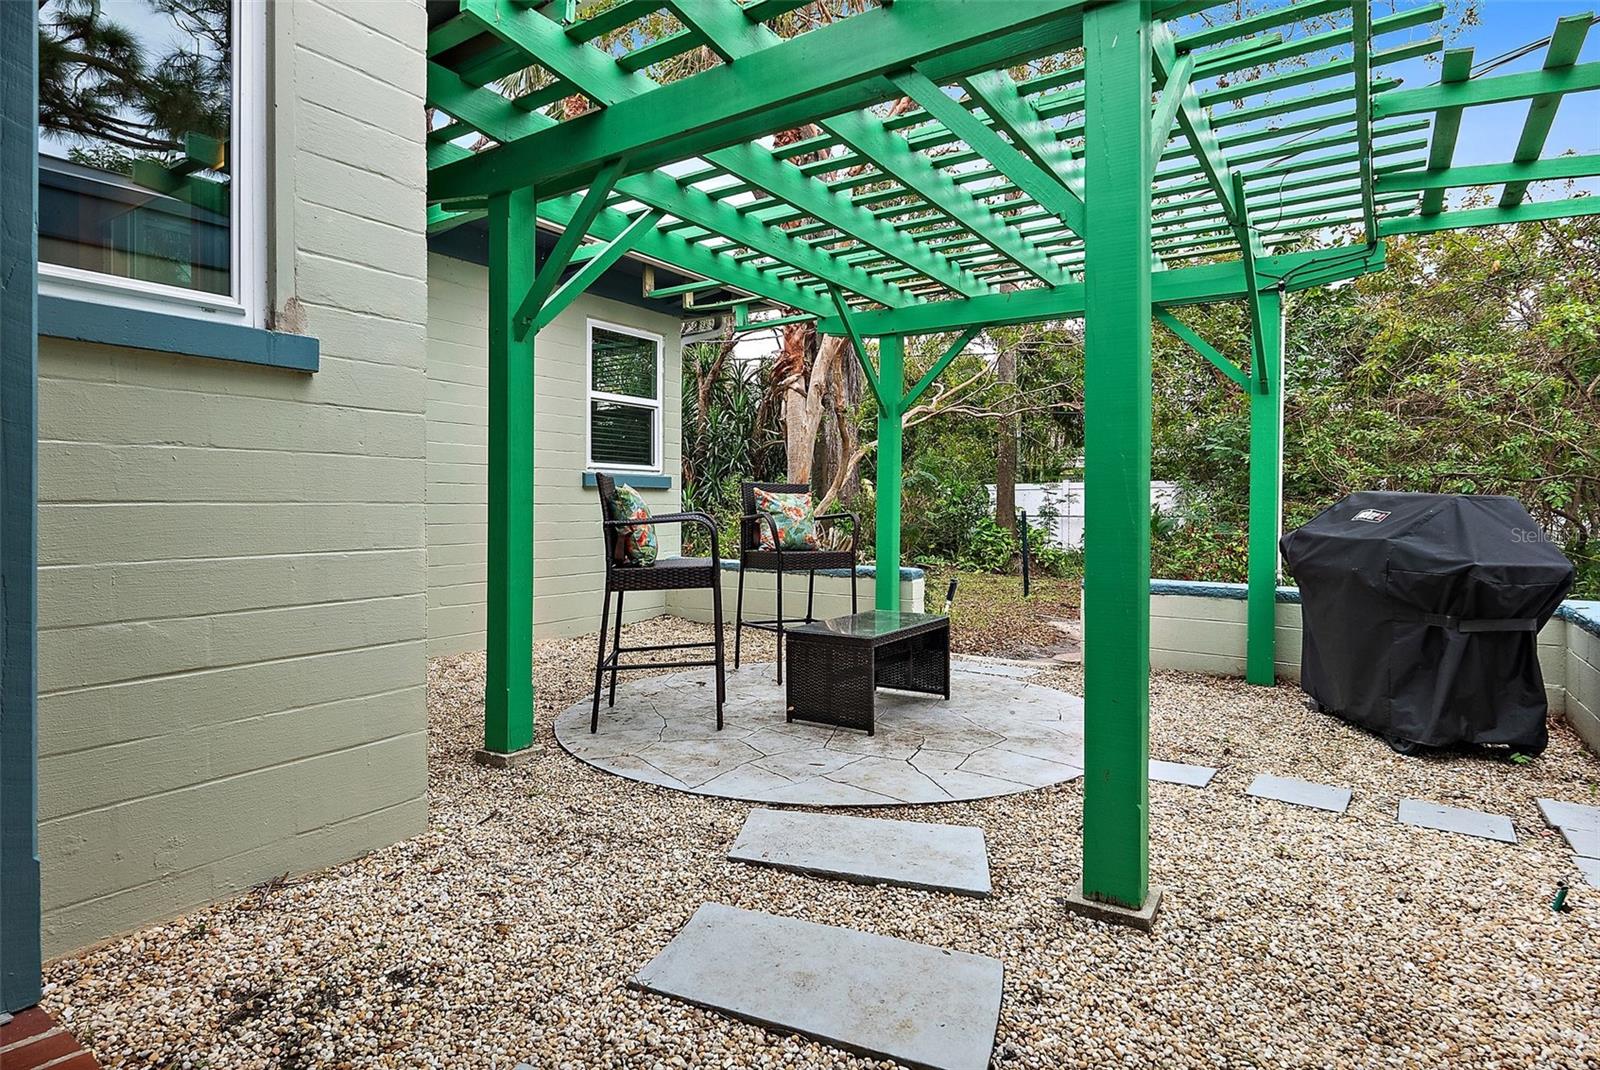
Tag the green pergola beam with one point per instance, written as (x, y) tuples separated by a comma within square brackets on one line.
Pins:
[(1491, 174), (1342, 68), (671, 249), (1015, 116), (866, 135), (784, 181), (1361, 65), (599, 77), (1477, 92), (1565, 46), (1047, 188), (1528, 211), (1200, 284), (1196, 127), (1041, 166), (1189, 337), (1116, 540), (828, 71), (1446, 127)]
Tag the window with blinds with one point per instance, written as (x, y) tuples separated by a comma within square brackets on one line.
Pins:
[(624, 398)]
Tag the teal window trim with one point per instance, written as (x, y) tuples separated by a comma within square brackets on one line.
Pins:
[(19, 463), (107, 324), (636, 480)]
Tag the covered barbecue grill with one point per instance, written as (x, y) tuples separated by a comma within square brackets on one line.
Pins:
[(1421, 616)]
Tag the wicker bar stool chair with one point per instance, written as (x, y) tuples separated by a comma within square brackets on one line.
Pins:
[(666, 574), (753, 558)]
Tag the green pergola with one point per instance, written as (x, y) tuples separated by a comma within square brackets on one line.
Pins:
[(1134, 169)]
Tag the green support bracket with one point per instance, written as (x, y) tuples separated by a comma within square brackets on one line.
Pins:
[(939, 366), (891, 385), (508, 697), (1266, 493), (848, 329), (544, 284), (1187, 335), (593, 267), (1116, 642)]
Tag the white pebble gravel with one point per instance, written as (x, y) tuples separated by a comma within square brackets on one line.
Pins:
[(509, 930)]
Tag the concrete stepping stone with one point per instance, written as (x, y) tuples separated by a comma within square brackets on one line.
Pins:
[(1578, 823), (912, 854), (873, 995), (1298, 792), (1431, 815), (1590, 868), (1191, 776)]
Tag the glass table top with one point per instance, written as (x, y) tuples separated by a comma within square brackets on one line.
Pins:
[(873, 624)]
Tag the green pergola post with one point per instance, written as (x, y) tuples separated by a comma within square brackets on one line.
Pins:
[(1116, 647), (891, 403), (508, 698), (1266, 489)]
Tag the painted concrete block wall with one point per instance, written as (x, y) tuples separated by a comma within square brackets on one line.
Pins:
[(232, 583), (569, 570), (1583, 681), (761, 596)]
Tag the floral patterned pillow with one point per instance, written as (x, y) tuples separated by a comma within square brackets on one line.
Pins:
[(636, 545), (794, 516)]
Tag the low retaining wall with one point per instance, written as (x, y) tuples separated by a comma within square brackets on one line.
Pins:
[(761, 594), (1200, 627)]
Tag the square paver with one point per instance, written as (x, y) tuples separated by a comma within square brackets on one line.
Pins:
[(875, 995), (1584, 842), (914, 854), (1300, 792), (1564, 815), (1578, 823), (1590, 868), (1431, 815), (1192, 776)]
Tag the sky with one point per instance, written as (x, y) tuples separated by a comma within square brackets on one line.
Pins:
[(1489, 134)]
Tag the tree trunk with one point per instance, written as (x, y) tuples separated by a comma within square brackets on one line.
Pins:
[(1005, 465)]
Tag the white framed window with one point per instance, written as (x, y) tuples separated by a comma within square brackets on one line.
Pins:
[(623, 381), (152, 161)]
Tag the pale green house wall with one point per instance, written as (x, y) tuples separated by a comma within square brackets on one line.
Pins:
[(568, 566), (232, 585)]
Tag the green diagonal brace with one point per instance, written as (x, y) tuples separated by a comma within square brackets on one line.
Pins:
[(939, 366), (594, 267), (1167, 106), (1187, 335), (846, 319), (544, 284)]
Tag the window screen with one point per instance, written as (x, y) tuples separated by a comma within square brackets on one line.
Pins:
[(624, 399)]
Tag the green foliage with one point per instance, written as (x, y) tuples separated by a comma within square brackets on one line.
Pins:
[(1471, 365), (735, 440)]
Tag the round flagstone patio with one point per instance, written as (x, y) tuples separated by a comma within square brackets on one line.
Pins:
[(997, 734)]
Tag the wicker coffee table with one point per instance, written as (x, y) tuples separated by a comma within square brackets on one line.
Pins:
[(836, 666)]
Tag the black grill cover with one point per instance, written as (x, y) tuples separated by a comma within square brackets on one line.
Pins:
[(1421, 615)]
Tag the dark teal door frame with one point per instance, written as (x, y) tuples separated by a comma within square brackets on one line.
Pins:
[(19, 738)]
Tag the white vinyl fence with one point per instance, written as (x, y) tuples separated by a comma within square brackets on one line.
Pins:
[(1066, 501)]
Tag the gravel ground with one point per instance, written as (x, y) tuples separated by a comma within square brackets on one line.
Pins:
[(510, 928)]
